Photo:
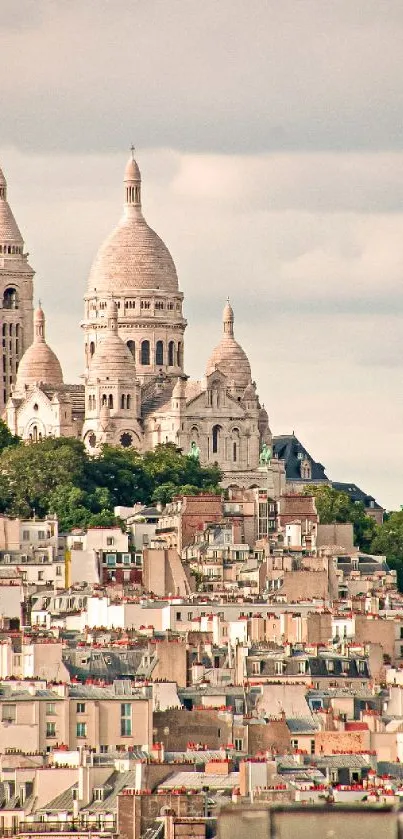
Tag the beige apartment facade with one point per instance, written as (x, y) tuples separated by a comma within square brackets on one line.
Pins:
[(38, 720)]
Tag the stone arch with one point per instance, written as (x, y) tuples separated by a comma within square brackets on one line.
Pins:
[(10, 298), (216, 435), (131, 345)]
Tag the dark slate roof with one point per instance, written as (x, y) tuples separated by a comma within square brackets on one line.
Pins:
[(157, 398), (288, 448), (302, 725), (357, 494)]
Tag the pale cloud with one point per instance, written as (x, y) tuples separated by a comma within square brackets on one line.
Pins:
[(226, 76)]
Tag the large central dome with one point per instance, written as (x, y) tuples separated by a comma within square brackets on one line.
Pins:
[(133, 258)]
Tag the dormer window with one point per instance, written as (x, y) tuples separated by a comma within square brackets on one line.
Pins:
[(98, 794), (306, 469)]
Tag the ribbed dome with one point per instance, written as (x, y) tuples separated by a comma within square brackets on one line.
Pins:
[(229, 356), (112, 358), (133, 257), (39, 364)]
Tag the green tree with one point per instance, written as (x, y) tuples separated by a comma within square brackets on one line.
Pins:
[(388, 540), (122, 473), (57, 475), (166, 464), (33, 471), (6, 437), (335, 506)]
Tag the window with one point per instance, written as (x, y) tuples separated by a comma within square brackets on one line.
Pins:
[(110, 540), (58, 570), (103, 750), (41, 535), (159, 352), (294, 744), (81, 729), (216, 438), (132, 347), (256, 668), (80, 707), (50, 729), (111, 560), (8, 713), (50, 709), (312, 747), (238, 744), (145, 352), (171, 354), (98, 794), (40, 576), (25, 535), (126, 719), (126, 559), (179, 616), (278, 668)]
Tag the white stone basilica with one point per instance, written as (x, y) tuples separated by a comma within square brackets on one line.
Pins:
[(136, 392)]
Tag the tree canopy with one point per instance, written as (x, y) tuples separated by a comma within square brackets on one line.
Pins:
[(6, 437), (335, 506), (57, 475), (388, 540)]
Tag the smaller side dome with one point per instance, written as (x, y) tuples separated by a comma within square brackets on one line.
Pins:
[(112, 358), (39, 364), (229, 356)]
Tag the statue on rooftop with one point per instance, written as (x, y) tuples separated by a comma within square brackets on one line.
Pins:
[(265, 455)]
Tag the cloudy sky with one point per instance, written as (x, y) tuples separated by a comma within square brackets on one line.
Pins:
[(269, 135)]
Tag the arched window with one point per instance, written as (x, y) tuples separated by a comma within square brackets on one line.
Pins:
[(132, 348), (110, 401), (159, 353), (92, 348), (10, 299), (171, 354), (104, 399), (122, 401), (234, 452), (128, 401), (216, 438), (145, 352), (180, 354)]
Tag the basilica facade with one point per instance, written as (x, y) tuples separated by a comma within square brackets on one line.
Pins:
[(136, 391)]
